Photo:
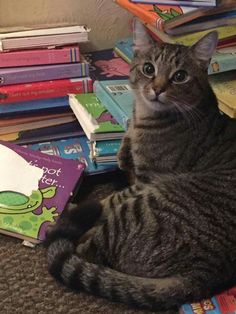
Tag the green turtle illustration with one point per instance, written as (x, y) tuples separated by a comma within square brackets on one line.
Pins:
[(17, 211)]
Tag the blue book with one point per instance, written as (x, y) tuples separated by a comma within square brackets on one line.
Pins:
[(124, 49), (107, 150), (54, 105), (74, 148), (117, 97)]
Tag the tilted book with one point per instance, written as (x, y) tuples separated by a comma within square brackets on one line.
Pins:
[(74, 148), (34, 190), (47, 89), (48, 37), (40, 56), (191, 3), (96, 121), (41, 73), (117, 97)]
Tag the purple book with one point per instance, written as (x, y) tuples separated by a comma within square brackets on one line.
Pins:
[(30, 74), (34, 190)]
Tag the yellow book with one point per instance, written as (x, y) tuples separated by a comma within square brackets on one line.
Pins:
[(224, 87), (189, 39)]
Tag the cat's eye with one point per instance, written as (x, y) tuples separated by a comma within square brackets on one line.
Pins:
[(148, 69), (180, 76)]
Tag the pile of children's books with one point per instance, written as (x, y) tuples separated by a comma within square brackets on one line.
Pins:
[(184, 22)]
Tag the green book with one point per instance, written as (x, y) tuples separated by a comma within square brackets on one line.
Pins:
[(94, 118)]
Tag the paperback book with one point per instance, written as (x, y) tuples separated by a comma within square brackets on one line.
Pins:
[(117, 97), (32, 74), (190, 3), (41, 188), (75, 148), (42, 90), (95, 119), (34, 57), (105, 151)]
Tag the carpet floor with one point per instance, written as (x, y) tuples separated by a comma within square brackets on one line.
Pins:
[(27, 288)]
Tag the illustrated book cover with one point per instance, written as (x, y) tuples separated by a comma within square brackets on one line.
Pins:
[(223, 303), (77, 148), (46, 89), (32, 57), (106, 65), (95, 119), (39, 192), (30, 74), (117, 97)]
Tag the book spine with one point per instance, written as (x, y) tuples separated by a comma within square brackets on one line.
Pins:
[(42, 90), (110, 104), (43, 73), (39, 57), (222, 63)]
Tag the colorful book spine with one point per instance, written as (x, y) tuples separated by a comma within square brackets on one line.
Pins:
[(105, 148), (42, 73), (210, 3), (40, 57), (117, 97), (46, 89)]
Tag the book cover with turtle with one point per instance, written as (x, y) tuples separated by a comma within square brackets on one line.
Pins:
[(34, 190)]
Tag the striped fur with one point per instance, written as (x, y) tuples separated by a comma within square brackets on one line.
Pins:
[(170, 238)]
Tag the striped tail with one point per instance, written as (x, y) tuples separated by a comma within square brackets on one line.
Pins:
[(156, 294)]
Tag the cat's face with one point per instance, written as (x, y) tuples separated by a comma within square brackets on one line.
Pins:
[(166, 76)]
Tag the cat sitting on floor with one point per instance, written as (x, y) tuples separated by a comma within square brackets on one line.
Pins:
[(170, 238)]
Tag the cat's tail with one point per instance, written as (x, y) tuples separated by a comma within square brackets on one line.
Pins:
[(75, 272)]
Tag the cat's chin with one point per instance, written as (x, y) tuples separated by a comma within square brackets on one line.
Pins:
[(159, 106)]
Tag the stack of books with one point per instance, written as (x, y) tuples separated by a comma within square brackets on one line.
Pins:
[(185, 22), (38, 68)]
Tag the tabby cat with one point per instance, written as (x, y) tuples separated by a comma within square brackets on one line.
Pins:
[(169, 238)]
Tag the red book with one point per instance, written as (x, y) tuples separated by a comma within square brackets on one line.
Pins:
[(39, 57), (47, 89)]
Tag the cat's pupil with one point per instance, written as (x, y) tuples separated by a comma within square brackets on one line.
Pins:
[(180, 76), (148, 68)]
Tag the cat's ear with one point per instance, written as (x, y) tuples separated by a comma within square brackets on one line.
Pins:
[(142, 41), (205, 47)]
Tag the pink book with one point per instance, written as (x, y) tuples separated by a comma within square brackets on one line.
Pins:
[(39, 57), (42, 90)]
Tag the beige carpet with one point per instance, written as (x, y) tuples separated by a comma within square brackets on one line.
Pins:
[(25, 285)]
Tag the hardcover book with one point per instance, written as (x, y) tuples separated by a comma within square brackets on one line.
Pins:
[(74, 148), (55, 132), (117, 97), (223, 303), (106, 65), (40, 57), (41, 188), (96, 121), (48, 37), (34, 107), (46, 89), (32, 74)]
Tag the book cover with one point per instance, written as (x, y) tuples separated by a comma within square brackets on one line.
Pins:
[(117, 97), (223, 303), (124, 49), (94, 118), (41, 188), (34, 107), (106, 65), (59, 119), (224, 87), (55, 132), (155, 14), (32, 74), (46, 89), (190, 3), (37, 38), (40, 57), (104, 151), (74, 148)]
